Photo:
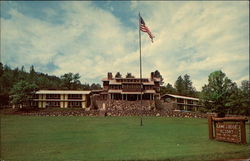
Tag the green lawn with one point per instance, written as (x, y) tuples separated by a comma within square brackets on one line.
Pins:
[(111, 138)]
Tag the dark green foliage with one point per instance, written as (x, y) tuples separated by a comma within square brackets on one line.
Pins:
[(9, 77), (189, 90), (221, 95), (70, 81), (244, 98), (179, 85), (22, 92), (157, 74), (185, 87), (168, 89), (1, 69), (182, 87), (4, 99), (95, 86)]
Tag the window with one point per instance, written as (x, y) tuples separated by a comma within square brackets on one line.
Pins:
[(35, 96), (75, 96), (190, 101), (180, 100), (53, 104), (52, 96), (75, 104)]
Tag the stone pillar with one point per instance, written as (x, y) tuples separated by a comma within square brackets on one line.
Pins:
[(44, 104), (66, 101), (84, 97), (84, 101), (61, 104), (83, 104), (43, 100), (40, 104), (185, 106), (61, 100), (103, 106), (40, 97)]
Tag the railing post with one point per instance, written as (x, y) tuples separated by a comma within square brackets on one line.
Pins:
[(210, 127), (243, 132)]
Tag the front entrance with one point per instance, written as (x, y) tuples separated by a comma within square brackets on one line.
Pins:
[(133, 97)]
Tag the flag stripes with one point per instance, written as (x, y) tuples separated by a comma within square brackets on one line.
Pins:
[(144, 28)]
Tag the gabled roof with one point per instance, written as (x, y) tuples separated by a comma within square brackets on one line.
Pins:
[(183, 97), (62, 92)]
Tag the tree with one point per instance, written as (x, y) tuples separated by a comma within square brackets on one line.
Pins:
[(245, 95), (86, 86), (22, 69), (129, 75), (157, 74), (1, 69), (95, 86), (118, 75), (185, 86), (7, 80), (71, 81), (179, 85), (189, 90), (32, 70), (234, 100), (32, 74), (168, 89), (22, 92), (216, 94)]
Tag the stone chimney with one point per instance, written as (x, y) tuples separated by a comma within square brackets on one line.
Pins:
[(152, 75), (110, 76)]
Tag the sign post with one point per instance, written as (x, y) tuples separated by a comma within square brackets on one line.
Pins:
[(229, 129)]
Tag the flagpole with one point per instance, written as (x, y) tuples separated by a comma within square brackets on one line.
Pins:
[(140, 64)]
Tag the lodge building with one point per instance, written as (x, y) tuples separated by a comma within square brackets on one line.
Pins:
[(61, 98), (114, 88), (130, 89), (127, 89), (182, 102)]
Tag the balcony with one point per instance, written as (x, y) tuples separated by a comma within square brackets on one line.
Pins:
[(131, 90)]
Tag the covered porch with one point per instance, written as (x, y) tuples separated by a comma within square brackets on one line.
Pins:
[(131, 96)]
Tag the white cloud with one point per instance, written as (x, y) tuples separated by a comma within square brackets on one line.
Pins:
[(191, 37), (199, 38)]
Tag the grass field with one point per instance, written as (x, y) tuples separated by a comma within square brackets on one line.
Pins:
[(112, 138)]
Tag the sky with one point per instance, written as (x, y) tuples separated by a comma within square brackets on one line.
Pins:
[(92, 38)]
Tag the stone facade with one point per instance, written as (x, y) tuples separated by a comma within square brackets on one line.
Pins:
[(109, 112), (126, 93), (130, 89)]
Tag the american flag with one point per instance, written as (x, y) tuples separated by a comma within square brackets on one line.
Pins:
[(144, 28)]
